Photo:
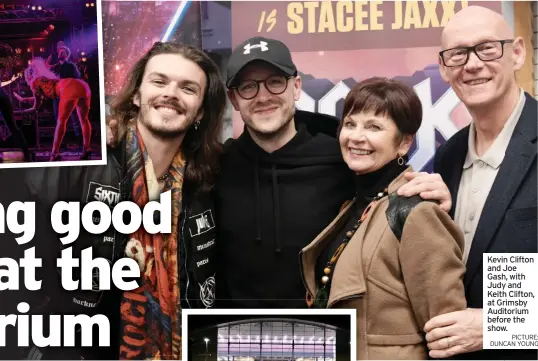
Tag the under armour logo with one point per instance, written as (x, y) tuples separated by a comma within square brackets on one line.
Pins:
[(262, 45)]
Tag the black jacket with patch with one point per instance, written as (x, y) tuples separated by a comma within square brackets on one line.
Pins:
[(107, 184)]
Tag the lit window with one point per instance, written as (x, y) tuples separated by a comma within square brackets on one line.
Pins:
[(276, 340)]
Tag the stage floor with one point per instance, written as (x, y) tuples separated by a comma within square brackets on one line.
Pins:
[(14, 155)]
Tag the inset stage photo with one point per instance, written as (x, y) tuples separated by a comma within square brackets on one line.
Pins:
[(51, 80)]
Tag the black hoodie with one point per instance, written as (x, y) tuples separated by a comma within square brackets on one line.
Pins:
[(271, 205)]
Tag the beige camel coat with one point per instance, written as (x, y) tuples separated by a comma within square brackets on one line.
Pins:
[(395, 286)]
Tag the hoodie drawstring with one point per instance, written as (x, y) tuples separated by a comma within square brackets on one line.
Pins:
[(257, 205), (276, 207)]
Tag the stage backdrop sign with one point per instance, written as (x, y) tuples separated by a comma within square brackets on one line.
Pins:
[(335, 44)]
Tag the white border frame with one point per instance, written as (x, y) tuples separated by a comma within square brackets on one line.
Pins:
[(101, 77), (264, 312)]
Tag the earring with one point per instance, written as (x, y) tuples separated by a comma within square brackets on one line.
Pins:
[(196, 124), (400, 160)]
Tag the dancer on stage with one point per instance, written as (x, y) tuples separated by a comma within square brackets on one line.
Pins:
[(64, 69), (7, 60), (73, 93)]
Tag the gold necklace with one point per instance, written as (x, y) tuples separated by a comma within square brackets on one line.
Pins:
[(163, 177)]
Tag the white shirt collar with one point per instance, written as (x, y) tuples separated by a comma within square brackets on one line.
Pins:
[(495, 154)]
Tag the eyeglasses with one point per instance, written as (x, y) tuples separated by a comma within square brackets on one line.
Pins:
[(487, 51), (275, 84)]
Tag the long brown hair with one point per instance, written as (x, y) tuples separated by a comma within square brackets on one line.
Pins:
[(201, 146)]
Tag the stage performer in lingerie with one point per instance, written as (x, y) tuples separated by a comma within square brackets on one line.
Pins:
[(8, 59), (73, 93)]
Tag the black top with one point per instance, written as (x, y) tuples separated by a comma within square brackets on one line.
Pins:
[(367, 187), (108, 184), (269, 207), (66, 70)]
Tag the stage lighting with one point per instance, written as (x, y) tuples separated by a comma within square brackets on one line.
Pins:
[(42, 49), (87, 5), (92, 4), (18, 50), (29, 50), (176, 20), (82, 53), (83, 59), (39, 8), (33, 7)]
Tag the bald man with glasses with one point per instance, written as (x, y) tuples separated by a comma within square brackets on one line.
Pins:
[(489, 167)]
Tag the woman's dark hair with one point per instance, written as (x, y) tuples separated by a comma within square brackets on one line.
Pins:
[(201, 146), (383, 96)]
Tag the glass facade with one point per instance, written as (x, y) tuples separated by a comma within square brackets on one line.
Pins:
[(276, 340)]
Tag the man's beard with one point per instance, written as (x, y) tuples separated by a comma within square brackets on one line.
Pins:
[(289, 115), (165, 134)]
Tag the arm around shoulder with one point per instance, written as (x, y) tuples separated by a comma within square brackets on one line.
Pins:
[(431, 259)]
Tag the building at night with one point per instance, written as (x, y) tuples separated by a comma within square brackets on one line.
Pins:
[(272, 337)]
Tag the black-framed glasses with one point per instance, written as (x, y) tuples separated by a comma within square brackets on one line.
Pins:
[(275, 84), (486, 51)]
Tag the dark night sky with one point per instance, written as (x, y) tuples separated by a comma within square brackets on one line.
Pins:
[(197, 322)]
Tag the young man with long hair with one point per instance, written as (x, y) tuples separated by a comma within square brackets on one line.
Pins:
[(169, 117)]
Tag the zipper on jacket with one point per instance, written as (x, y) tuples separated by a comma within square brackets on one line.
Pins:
[(115, 256), (186, 260), (119, 237)]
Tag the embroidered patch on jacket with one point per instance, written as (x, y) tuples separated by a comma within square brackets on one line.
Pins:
[(207, 291), (201, 223), (103, 193)]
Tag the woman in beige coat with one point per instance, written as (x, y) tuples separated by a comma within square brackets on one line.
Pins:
[(396, 260)]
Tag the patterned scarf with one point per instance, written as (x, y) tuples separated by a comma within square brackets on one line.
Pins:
[(151, 314)]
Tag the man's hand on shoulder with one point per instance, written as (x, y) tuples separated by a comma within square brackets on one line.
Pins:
[(428, 186), (111, 132)]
